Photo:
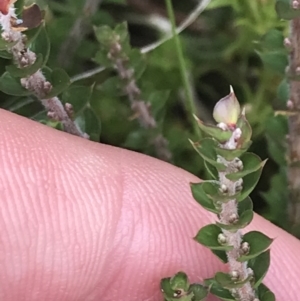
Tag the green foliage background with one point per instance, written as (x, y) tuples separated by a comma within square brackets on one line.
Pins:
[(226, 49)]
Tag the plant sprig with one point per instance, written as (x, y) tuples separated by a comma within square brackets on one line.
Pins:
[(235, 173)]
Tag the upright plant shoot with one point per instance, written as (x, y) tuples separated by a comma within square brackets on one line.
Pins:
[(235, 172)]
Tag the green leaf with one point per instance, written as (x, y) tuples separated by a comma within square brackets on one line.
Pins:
[(122, 31), (41, 44), (104, 35), (78, 97), (32, 34), (102, 59), (214, 131), (221, 255), (260, 266), (180, 281), (251, 163), (137, 62), (201, 197), (199, 292), (230, 154), (249, 183), (273, 39), (212, 170), (264, 294), (225, 281), (5, 55), (276, 60), (245, 205), (19, 5), (244, 220), (258, 242), (158, 100), (12, 86), (89, 123), (285, 11), (208, 236), (206, 148), (59, 80), (219, 291), (26, 71), (176, 288), (4, 45), (283, 91), (245, 212), (243, 124)]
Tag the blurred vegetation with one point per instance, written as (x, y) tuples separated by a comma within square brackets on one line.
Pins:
[(225, 46)]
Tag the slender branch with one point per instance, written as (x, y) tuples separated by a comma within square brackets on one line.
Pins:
[(228, 215), (294, 127), (141, 109), (186, 23), (87, 74), (36, 83), (78, 32), (183, 70)]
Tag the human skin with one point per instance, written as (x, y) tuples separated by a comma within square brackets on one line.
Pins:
[(82, 221)]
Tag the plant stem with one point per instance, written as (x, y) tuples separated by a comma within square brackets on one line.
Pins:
[(36, 83), (229, 213), (183, 69), (294, 130)]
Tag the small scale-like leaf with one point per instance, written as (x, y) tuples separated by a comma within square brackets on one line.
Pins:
[(225, 281), (4, 45), (243, 124), (122, 31), (19, 5), (251, 163), (12, 86), (180, 280), (221, 255), (208, 236), (211, 189), (59, 80), (5, 55), (260, 266), (201, 197), (206, 148), (137, 62), (78, 97), (245, 205), (212, 170), (26, 71), (41, 44), (283, 91), (199, 292), (258, 242), (219, 291), (102, 59), (214, 131), (32, 34), (104, 35), (273, 39), (244, 220), (285, 11), (264, 294), (249, 183), (89, 122), (275, 60), (230, 154), (157, 100)]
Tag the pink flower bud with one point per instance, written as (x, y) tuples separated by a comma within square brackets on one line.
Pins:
[(227, 109)]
